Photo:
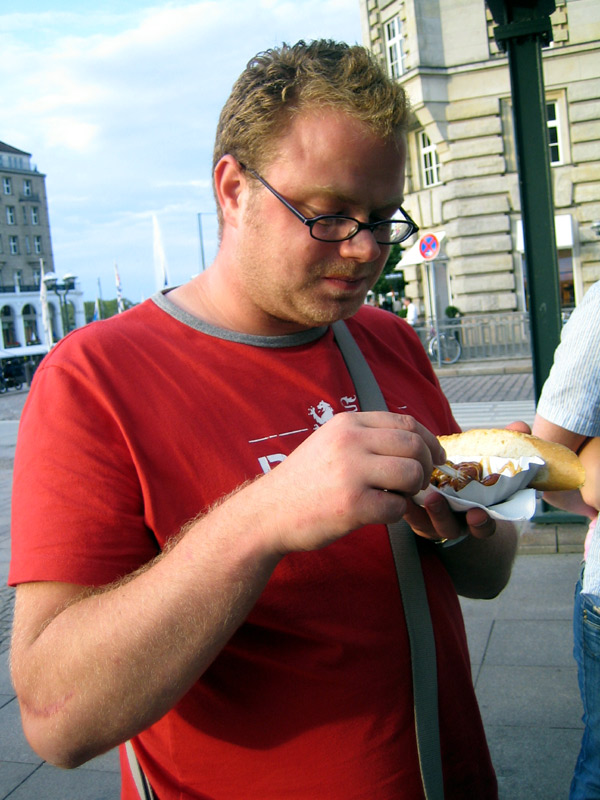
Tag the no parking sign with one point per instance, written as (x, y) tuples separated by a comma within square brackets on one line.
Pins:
[(429, 246)]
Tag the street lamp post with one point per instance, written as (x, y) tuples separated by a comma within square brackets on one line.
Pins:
[(201, 235), (61, 289)]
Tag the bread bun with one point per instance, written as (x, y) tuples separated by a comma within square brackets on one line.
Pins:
[(562, 469)]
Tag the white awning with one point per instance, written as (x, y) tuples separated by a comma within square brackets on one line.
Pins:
[(20, 352), (563, 228)]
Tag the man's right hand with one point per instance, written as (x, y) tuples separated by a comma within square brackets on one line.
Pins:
[(355, 470)]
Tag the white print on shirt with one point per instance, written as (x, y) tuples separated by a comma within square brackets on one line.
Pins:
[(266, 461), (322, 412), (349, 403)]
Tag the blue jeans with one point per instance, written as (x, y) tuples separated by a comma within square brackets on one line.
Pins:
[(586, 649)]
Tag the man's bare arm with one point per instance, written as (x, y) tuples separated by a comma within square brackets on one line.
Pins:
[(480, 564), (481, 568), (568, 501), (93, 669)]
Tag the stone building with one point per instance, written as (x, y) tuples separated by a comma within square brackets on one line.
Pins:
[(26, 250), (462, 181)]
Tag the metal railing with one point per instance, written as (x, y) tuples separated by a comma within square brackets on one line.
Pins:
[(485, 336), (23, 287)]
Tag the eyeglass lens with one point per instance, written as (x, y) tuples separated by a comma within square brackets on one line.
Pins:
[(331, 229)]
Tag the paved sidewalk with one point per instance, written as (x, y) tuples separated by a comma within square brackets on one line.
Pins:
[(520, 646)]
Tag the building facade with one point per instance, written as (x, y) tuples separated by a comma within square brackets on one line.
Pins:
[(26, 252), (462, 180)]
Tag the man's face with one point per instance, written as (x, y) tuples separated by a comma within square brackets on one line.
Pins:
[(326, 163)]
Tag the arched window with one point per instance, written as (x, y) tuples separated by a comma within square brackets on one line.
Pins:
[(9, 336), (30, 325)]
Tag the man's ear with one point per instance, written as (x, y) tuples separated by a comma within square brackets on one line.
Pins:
[(229, 181)]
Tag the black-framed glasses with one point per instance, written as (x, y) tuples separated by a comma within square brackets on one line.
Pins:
[(338, 228)]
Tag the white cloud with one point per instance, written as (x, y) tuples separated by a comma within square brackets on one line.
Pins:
[(71, 133)]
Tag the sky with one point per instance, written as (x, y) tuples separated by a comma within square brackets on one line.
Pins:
[(118, 103)]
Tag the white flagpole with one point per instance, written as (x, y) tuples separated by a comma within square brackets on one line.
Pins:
[(45, 310), (96, 315), (120, 304), (160, 260)]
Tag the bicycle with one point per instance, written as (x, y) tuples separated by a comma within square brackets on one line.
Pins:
[(450, 349)]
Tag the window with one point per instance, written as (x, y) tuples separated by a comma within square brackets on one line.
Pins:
[(553, 132), (27, 187), (37, 244), (566, 280), (430, 165), (13, 242), (7, 183), (394, 44), (8, 327), (27, 246), (35, 215), (30, 324), (10, 215)]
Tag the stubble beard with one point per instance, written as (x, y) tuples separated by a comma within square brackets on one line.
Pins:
[(310, 305)]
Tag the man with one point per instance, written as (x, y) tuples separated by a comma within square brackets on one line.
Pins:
[(412, 314), (568, 412), (249, 633)]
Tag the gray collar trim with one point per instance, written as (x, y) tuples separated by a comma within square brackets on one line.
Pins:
[(289, 340)]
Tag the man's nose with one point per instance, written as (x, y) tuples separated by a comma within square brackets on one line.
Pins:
[(362, 246)]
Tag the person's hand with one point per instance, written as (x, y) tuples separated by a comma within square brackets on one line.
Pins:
[(519, 425), (435, 520), (357, 469)]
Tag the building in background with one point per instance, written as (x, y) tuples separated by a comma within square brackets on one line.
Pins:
[(462, 180), (26, 250)]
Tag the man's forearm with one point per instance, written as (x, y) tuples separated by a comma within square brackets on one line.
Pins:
[(112, 663), (481, 568)]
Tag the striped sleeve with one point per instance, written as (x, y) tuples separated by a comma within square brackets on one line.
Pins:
[(571, 395)]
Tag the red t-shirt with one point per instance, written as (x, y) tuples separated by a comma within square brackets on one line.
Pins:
[(136, 424)]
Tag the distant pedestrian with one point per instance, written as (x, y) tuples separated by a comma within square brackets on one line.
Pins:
[(412, 312)]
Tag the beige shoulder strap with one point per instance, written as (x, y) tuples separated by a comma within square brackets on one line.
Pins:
[(412, 588), (141, 781)]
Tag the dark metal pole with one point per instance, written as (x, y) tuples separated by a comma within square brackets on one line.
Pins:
[(524, 27)]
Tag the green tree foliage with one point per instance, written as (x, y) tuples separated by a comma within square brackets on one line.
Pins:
[(108, 308), (396, 284)]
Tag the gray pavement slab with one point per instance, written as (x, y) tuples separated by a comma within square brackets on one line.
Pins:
[(530, 643), (50, 783), (462, 387), (531, 697), (525, 677), (13, 775), (493, 414), (526, 764), (13, 744)]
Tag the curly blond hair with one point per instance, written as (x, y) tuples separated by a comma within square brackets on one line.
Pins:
[(283, 81)]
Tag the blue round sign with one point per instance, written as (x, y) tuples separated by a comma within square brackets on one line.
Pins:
[(429, 246)]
